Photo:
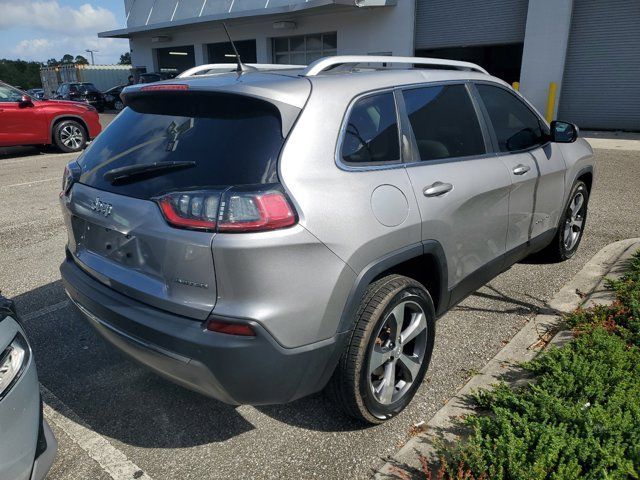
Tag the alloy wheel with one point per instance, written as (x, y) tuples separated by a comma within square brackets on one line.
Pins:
[(71, 136), (398, 352), (574, 222)]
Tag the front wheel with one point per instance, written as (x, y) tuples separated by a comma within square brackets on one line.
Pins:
[(69, 136), (389, 352), (571, 228)]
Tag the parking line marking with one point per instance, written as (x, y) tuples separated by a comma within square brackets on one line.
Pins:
[(113, 461), (45, 311), (30, 183)]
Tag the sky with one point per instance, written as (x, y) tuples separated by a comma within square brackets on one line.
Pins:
[(43, 29)]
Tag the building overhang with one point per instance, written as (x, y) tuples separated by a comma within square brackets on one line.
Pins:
[(290, 7)]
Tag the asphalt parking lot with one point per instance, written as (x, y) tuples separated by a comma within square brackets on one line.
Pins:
[(146, 425)]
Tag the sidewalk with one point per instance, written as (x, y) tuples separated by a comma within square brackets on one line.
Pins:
[(585, 289), (613, 140)]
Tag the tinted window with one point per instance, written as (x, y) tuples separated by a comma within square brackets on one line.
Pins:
[(234, 140), (87, 87), (444, 122), (516, 126), (371, 135)]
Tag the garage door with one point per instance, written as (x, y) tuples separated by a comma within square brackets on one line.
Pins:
[(600, 85), (458, 23)]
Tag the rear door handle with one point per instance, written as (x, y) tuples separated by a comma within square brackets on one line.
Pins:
[(521, 169), (437, 189)]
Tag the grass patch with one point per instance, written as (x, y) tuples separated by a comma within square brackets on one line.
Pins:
[(579, 419)]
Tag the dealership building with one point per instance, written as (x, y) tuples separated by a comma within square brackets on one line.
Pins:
[(589, 50)]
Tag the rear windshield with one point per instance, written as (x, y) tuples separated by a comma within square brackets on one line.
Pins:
[(234, 140), (85, 87)]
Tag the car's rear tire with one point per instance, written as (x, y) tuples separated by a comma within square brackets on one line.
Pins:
[(69, 136), (118, 105), (389, 352), (571, 226)]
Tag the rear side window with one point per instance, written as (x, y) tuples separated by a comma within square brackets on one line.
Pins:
[(444, 122), (234, 140), (371, 134), (515, 125)]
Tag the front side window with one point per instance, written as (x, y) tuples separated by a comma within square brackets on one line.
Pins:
[(515, 125), (444, 122), (8, 94), (371, 134), (304, 49)]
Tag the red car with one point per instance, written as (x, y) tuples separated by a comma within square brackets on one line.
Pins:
[(25, 120)]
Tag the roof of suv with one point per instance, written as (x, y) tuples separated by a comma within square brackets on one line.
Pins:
[(291, 87)]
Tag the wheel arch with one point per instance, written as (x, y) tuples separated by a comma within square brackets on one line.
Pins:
[(61, 118), (424, 262), (586, 175)]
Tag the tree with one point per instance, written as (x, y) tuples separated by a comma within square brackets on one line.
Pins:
[(52, 62), (80, 60), (66, 58), (125, 58), (20, 72)]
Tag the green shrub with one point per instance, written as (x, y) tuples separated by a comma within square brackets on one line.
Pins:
[(579, 418)]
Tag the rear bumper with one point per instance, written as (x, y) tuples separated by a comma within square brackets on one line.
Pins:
[(236, 370)]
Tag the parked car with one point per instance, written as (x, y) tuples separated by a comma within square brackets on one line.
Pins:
[(25, 120), (81, 92), (37, 93), (257, 236), (112, 98), (27, 444)]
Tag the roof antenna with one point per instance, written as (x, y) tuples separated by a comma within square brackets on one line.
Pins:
[(241, 66)]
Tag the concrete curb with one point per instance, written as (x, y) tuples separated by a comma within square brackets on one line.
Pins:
[(585, 289)]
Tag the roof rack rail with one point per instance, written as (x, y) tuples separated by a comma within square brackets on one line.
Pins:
[(323, 64), (231, 67)]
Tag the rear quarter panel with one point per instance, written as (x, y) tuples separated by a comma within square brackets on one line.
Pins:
[(335, 204)]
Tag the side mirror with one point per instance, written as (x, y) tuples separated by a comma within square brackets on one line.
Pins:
[(25, 101), (564, 132)]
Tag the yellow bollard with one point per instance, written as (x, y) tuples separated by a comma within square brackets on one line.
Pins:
[(516, 86), (551, 101)]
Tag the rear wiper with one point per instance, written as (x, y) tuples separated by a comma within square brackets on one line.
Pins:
[(131, 172)]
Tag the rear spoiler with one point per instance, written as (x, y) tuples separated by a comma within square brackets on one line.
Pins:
[(174, 99)]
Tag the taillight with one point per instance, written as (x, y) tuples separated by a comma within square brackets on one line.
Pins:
[(255, 211), (71, 175), (65, 180), (233, 210), (193, 210)]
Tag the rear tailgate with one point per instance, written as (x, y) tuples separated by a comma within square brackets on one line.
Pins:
[(134, 251), (117, 231)]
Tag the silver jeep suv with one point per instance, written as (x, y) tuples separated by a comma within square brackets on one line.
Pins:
[(259, 235)]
